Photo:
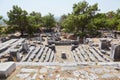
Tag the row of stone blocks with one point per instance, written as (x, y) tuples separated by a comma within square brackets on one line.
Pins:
[(63, 42)]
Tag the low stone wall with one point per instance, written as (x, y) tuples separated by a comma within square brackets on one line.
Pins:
[(115, 64), (63, 42)]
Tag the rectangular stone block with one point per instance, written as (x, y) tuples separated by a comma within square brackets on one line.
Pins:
[(115, 52), (6, 69)]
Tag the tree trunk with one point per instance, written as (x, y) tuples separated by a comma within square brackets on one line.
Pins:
[(21, 31), (82, 29)]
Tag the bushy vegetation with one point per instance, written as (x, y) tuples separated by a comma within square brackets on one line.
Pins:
[(85, 20), (20, 20), (2, 28)]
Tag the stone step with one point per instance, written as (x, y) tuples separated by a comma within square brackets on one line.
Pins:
[(40, 53), (47, 55), (75, 56), (43, 55), (52, 57), (33, 54), (32, 48), (80, 56), (97, 56)]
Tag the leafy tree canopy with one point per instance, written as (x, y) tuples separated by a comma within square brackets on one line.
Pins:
[(0, 17), (49, 21), (79, 20), (18, 17)]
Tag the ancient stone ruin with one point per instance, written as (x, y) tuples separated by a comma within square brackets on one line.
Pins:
[(115, 52)]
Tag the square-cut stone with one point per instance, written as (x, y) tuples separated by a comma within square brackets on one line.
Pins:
[(6, 69)]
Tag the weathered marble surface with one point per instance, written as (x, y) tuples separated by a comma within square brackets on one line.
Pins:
[(6, 69)]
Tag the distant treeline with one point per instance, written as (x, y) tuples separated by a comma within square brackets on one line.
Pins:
[(85, 20)]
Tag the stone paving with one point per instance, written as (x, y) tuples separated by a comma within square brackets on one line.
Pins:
[(95, 72)]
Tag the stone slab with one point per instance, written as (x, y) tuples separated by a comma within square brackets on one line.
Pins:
[(6, 69), (27, 70), (23, 75)]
